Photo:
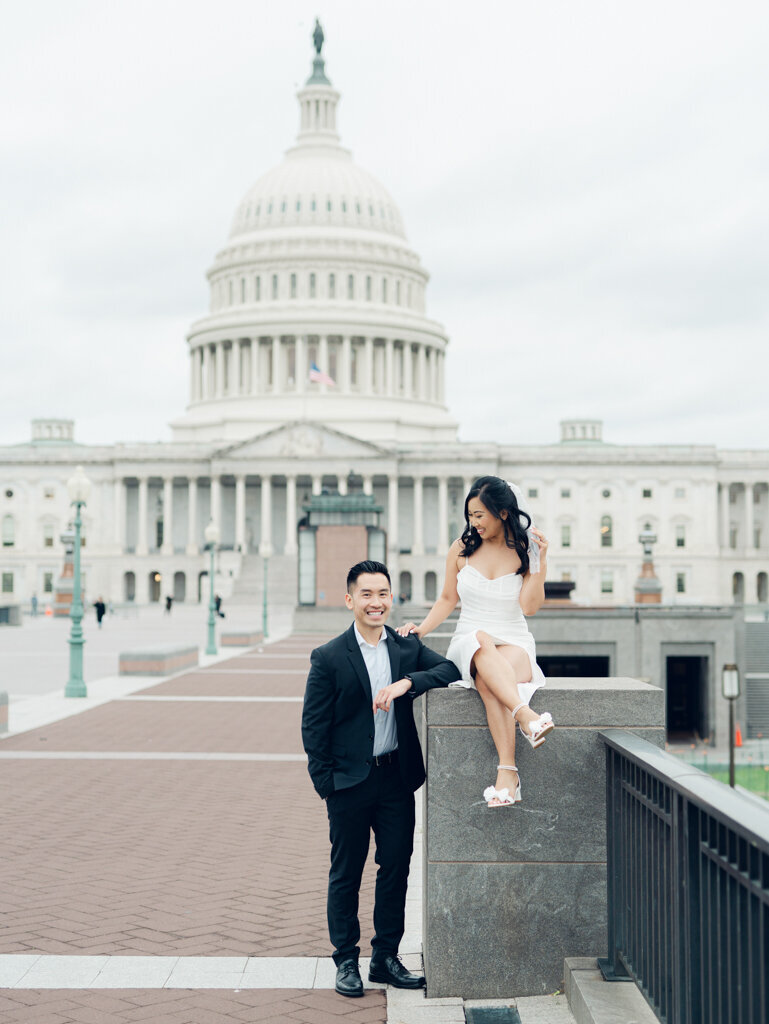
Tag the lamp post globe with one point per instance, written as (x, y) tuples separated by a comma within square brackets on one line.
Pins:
[(211, 535), (79, 491), (730, 688)]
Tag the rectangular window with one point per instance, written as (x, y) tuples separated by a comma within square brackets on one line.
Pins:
[(242, 289), (49, 494), (350, 286), (732, 537), (566, 577), (384, 289), (47, 535), (7, 582), (607, 581), (293, 286), (398, 293), (680, 536), (47, 582), (566, 536), (680, 582), (258, 288), (533, 492), (332, 286), (274, 286), (368, 289), (756, 536), (312, 286), (680, 492), (565, 492), (646, 492)]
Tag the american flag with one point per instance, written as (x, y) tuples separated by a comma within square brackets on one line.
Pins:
[(319, 377)]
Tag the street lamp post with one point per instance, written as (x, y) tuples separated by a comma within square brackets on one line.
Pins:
[(264, 600), (730, 687), (79, 490), (212, 539)]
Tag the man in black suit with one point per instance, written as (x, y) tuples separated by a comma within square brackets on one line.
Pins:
[(365, 761)]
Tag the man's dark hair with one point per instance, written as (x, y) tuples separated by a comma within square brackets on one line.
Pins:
[(368, 566)]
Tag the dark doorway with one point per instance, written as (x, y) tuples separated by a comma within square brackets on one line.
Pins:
[(580, 665), (687, 697)]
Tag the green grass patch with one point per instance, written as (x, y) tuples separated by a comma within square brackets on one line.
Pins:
[(754, 777)]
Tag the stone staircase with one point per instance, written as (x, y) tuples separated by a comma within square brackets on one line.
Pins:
[(281, 582)]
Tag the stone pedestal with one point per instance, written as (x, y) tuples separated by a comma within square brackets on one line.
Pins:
[(510, 892)]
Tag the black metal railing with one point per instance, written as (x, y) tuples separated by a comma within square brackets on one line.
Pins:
[(688, 887)]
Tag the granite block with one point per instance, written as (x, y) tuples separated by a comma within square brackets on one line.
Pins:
[(498, 930), (601, 703)]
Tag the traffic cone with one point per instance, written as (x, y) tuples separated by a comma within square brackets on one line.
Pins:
[(737, 736)]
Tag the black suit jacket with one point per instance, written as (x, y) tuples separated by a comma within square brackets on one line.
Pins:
[(338, 719)]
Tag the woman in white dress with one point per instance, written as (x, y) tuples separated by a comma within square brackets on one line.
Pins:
[(497, 568)]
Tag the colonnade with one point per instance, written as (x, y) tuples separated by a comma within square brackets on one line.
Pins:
[(387, 367), (267, 483), (745, 528)]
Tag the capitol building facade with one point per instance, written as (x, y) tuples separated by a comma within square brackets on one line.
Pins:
[(318, 369)]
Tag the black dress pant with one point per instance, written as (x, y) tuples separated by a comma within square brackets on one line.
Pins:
[(383, 805)]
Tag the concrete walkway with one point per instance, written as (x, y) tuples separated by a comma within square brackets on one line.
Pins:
[(168, 857)]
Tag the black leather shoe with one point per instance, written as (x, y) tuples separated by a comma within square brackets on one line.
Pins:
[(388, 970), (348, 981)]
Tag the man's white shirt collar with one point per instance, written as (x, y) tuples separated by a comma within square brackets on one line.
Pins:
[(362, 640)]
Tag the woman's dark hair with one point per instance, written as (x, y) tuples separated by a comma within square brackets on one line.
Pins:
[(498, 497)]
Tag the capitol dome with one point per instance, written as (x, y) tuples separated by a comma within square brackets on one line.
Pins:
[(317, 307)]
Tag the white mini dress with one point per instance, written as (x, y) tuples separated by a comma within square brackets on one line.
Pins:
[(493, 606)]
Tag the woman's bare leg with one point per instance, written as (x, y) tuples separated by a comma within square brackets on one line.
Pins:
[(502, 729), (501, 668)]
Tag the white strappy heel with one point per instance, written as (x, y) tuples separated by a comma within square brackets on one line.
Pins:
[(503, 795), (537, 730)]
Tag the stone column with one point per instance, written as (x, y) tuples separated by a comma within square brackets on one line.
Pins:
[(418, 540), (443, 515), (192, 516), (368, 368), (341, 484), (193, 367), (749, 541), (300, 362), (265, 543), (368, 484), (408, 370), (276, 368), (254, 366), (220, 369), (317, 484), (430, 375), (389, 388), (120, 507), (392, 520), (422, 365), (141, 537), (440, 393), (344, 377), (215, 511), (240, 512), (724, 524), (168, 516), (205, 391), (291, 546), (323, 356)]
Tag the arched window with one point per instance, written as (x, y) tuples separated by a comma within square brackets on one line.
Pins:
[(155, 580), (431, 586), (607, 534), (129, 586), (762, 587), (180, 586), (48, 532), (9, 532), (404, 587), (738, 588)]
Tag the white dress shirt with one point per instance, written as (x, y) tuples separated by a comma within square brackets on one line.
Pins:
[(377, 661)]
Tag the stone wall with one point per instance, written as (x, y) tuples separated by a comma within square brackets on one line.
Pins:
[(510, 892)]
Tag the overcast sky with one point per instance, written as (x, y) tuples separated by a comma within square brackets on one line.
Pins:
[(586, 183)]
